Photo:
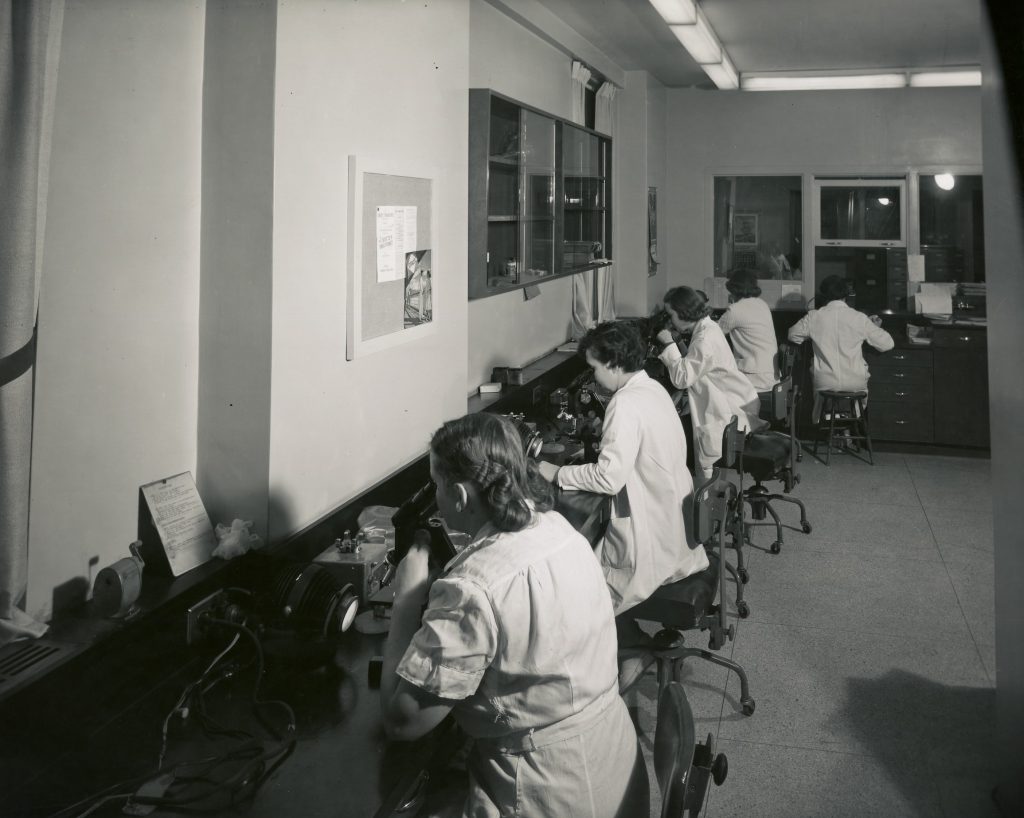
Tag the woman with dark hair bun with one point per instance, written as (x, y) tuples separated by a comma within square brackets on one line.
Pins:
[(517, 641), (642, 465), (748, 323), (838, 333), (716, 389)]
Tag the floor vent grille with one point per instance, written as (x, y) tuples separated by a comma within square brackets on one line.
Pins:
[(20, 661)]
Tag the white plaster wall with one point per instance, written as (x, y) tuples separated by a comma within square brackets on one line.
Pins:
[(507, 330), (804, 132), (389, 81), (117, 357), (630, 196)]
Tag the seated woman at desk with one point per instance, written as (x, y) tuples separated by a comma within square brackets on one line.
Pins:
[(517, 641), (837, 333), (748, 323), (642, 465), (716, 389)]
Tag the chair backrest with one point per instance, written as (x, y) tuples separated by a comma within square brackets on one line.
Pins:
[(675, 740), (711, 505), (782, 401), (787, 359), (732, 445)]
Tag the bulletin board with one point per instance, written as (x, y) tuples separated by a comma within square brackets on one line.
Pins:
[(392, 297)]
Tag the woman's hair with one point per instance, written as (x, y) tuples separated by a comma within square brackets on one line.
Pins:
[(616, 344), (832, 288), (743, 283), (487, 450), (687, 303)]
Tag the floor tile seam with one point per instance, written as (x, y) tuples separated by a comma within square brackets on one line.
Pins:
[(960, 604), (788, 746), (943, 640)]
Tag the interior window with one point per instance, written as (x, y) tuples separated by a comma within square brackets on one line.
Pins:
[(758, 225)]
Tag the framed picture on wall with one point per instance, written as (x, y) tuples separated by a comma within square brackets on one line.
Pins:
[(744, 230)]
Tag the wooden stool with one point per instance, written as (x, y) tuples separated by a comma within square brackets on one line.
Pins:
[(852, 426)]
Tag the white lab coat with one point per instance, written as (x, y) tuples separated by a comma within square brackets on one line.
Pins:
[(748, 323), (716, 389), (837, 332), (642, 464)]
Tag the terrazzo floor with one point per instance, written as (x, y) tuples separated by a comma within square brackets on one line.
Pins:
[(869, 648)]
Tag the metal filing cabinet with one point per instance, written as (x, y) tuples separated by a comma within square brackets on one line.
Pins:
[(901, 402)]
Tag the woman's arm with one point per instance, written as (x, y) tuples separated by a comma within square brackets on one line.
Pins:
[(686, 370), (408, 711), (620, 442)]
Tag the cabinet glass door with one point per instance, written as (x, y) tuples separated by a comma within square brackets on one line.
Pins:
[(537, 225), (585, 198), (860, 212)]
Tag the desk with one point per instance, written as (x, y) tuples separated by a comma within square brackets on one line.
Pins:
[(342, 765)]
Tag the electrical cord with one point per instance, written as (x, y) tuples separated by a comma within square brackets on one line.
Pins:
[(242, 784)]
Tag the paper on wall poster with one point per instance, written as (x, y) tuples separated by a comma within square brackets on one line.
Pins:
[(396, 236)]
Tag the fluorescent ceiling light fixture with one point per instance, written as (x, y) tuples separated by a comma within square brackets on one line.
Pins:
[(676, 12), (723, 74), (945, 180), (822, 82), (945, 79), (700, 40)]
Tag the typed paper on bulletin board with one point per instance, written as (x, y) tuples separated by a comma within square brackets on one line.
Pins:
[(396, 236)]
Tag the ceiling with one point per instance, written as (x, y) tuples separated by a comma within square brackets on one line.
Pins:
[(784, 35)]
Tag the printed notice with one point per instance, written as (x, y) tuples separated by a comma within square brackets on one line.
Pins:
[(396, 236), (181, 520), (915, 267)]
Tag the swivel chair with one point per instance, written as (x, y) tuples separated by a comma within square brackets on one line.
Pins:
[(689, 604), (772, 454), (681, 764)]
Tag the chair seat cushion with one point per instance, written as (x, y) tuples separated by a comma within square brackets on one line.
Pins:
[(766, 453), (680, 604)]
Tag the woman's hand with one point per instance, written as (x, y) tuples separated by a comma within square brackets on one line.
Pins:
[(665, 337), (875, 320), (549, 471)]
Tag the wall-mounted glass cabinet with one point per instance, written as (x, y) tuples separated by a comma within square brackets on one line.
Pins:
[(539, 192)]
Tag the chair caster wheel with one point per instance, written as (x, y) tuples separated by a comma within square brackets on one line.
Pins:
[(806, 527), (748, 707), (776, 547), (719, 769), (743, 609), (744, 576)]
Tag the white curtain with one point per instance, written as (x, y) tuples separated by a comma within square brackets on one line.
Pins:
[(604, 121), (582, 283), (29, 46)]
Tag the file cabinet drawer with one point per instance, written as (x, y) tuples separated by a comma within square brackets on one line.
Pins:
[(896, 421), (898, 391), (901, 358), (901, 374), (959, 338)]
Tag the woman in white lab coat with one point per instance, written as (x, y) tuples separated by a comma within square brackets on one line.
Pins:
[(715, 387), (642, 464), (748, 323), (837, 334)]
